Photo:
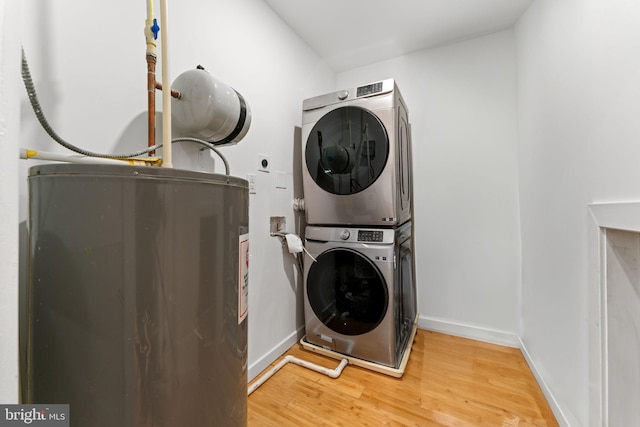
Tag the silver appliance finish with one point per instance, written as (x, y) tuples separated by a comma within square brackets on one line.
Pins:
[(360, 295), (133, 295), (357, 157)]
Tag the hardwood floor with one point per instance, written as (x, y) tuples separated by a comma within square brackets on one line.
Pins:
[(449, 381)]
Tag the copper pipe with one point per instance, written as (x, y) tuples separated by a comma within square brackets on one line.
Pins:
[(151, 95), (174, 93)]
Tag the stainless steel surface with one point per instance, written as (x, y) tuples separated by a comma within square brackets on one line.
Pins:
[(320, 101), (370, 185), (134, 293), (341, 295), (353, 235)]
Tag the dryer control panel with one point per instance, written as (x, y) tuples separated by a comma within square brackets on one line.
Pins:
[(369, 89)]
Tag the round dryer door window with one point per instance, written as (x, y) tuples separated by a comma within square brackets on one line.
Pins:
[(347, 292), (347, 150)]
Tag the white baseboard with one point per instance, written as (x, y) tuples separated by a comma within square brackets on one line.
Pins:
[(465, 330), (560, 415), (493, 336), (271, 356)]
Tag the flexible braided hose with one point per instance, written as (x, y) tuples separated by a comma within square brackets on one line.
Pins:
[(37, 109), (206, 144)]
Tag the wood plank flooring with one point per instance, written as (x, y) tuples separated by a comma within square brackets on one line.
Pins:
[(449, 381)]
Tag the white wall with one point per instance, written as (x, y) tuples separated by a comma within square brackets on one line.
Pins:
[(461, 100), (9, 133), (462, 107), (90, 71), (578, 87)]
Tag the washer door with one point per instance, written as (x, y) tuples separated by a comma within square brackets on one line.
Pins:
[(347, 292), (347, 150)]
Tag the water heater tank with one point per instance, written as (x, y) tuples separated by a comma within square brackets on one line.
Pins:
[(209, 109), (138, 295)]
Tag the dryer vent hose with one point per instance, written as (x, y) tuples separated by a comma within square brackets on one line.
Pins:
[(298, 204)]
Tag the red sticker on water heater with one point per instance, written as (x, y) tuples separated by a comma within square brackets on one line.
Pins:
[(243, 278)]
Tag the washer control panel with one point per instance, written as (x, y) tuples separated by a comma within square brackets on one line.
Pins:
[(351, 235), (370, 235)]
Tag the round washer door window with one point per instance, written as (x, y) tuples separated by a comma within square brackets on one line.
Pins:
[(347, 150), (347, 292)]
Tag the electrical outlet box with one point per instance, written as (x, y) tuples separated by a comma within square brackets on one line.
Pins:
[(281, 180), (263, 163), (205, 161), (278, 224)]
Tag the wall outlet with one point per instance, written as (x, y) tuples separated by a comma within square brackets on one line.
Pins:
[(278, 224), (251, 177), (263, 163)]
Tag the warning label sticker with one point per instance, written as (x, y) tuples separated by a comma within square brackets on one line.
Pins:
[(243, 278)]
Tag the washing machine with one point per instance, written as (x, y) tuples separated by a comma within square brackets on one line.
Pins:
[(360, 295), (357, 157)]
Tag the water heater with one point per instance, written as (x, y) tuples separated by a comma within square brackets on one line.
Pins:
[(138, 295)]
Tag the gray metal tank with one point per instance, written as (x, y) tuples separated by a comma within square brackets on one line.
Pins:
[(137, 308)]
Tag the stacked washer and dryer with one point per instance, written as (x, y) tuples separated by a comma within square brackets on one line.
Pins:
[(360, 293)]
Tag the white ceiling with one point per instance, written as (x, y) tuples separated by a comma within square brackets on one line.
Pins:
[(352, 33)]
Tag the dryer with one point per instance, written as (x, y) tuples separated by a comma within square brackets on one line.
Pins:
[(357, 157), (359, 294)]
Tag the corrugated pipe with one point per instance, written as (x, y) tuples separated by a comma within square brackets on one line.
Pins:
[(37, 109), (298, 204), (331, 373)]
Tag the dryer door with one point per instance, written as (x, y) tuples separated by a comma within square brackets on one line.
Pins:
[(347, 150), (347, 292)]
